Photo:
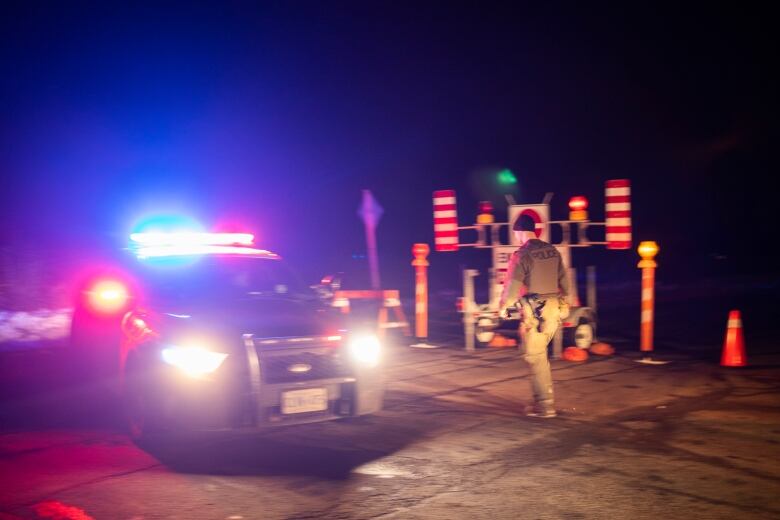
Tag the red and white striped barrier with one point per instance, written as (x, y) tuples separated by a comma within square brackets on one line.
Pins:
[(618, 212), (445, 221)]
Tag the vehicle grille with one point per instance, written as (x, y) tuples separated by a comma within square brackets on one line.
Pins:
[(276, 368)]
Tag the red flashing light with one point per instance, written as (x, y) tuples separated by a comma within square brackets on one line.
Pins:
[(485, 206), (108, 296), (578, 203)]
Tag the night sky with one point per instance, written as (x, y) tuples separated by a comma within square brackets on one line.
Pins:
[(273, 117)]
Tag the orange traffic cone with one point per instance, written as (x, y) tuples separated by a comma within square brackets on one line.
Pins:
[(734, 344)]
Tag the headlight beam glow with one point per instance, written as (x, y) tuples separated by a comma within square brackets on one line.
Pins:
[(366, 350), (193, 360)]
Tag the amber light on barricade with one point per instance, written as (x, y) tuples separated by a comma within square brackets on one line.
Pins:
[(578, 206), (647, 251), (485, 213)]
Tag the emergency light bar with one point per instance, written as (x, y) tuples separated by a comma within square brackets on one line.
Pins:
[(190, 239), (198, 250)]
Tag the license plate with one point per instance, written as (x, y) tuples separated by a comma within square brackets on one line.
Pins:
[(308, 400)]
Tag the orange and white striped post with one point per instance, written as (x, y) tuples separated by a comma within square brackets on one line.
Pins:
[(647, 250), (420, 263), (420, 252)]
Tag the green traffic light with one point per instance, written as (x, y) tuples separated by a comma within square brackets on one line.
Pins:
[(506, 177)]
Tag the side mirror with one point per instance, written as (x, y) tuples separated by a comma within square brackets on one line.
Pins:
[(328, 285)]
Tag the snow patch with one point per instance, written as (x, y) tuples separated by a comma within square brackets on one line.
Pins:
[(40, 325)]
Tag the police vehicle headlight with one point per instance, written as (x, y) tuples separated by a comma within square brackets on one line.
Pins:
[(365, 349), (193, 360)]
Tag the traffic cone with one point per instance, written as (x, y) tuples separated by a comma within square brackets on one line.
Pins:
[(734, 344)]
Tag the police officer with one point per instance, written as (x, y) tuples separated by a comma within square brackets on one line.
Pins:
[(537, 283)]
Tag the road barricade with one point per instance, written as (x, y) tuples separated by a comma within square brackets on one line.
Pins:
[(390, 302)]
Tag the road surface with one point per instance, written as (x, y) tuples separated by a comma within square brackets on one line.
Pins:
[(684, 440)]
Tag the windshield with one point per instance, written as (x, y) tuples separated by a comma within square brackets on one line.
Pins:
[(212, 278)]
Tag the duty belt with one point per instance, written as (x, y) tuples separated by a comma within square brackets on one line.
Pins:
[(536, 302)]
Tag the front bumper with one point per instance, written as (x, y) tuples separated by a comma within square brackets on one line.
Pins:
[(247, 393)]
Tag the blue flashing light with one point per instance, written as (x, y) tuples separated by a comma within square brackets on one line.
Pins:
[(167, 224), (176, 240)]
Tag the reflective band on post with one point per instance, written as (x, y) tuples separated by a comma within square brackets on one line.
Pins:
[(445, 227), (621, 221), (444, 213), (735, 323), (447, 240), (618, 192), (444, 199)]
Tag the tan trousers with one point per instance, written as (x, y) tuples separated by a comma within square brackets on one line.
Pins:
[(537, 328)]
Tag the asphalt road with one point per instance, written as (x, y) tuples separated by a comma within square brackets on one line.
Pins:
[(686, 439)]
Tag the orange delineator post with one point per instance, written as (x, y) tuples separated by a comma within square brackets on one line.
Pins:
[(381, 322), (647, 250), (648, 302), (420, 252)]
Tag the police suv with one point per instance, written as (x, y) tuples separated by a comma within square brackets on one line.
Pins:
[(205, 331)]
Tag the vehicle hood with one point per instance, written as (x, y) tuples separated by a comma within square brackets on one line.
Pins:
[(261, 317)]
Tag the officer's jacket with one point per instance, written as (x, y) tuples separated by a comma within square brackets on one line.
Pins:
[(535, 267)]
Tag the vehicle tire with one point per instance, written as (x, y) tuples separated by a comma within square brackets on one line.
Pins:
[(484, 331), (95, 349), (93, 380), (580, 336), (143, 419)]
